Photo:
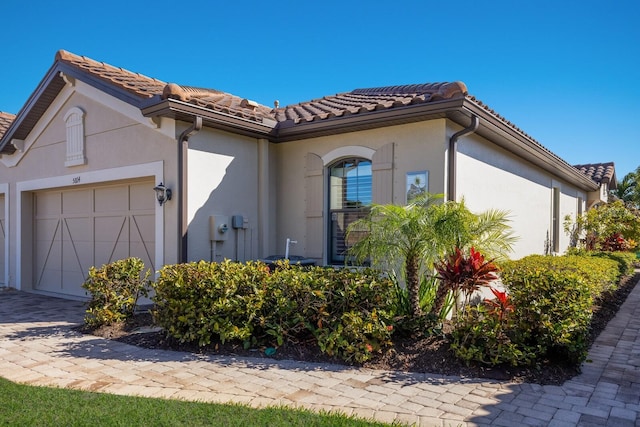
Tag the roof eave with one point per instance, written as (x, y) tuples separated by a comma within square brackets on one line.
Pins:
[(180, 110), (516, 142), (51, 80), (288, 131), (48, 89)]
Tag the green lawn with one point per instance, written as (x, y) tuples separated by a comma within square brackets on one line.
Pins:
[(22, 405)]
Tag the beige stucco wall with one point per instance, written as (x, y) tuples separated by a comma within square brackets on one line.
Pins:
[(418, 147), (116, 145), (489, 177), (223, 181)]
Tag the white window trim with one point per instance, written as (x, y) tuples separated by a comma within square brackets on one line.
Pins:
[(4, 189), (347, 151)]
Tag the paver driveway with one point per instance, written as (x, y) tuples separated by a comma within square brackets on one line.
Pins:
[(38, 346)]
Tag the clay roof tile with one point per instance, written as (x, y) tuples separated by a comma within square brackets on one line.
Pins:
[(5, 121), (599, 172), (147, 87)]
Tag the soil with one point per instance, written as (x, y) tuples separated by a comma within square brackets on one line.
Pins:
[(424, 355)]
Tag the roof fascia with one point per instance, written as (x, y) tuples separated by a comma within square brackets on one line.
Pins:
[(53, 82), (102, 85), (495, 130), (180, 110), (375, 119), (49, 77)]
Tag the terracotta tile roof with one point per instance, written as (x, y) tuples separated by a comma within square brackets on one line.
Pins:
[(5, 121), (134, 83), (147, 87), (218, 101), (599, 172), (368, 100)]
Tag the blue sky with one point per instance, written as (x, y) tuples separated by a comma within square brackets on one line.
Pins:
[(565, 72)]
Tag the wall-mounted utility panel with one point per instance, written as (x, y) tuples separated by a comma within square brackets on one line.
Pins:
[(218, 228)]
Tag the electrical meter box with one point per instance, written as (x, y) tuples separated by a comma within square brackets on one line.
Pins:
[(218, 228)]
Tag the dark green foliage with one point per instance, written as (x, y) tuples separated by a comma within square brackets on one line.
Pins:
[(348, 312), (546, 314), (197, 301), (481, 336), (553, 309), (115, 289)]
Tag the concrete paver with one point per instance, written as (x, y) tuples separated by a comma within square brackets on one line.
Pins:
[(39, 346)]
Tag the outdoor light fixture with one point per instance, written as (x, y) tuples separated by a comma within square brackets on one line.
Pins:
[(162, 193)]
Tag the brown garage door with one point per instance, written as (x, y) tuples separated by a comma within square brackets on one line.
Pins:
[(82, 227)]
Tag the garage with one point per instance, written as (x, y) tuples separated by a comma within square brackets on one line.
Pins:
[(81, 227)]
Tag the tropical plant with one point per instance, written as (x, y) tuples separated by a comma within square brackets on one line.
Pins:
[(501, 306), (411, 239), (605, 225), (628, 190), (459, 273)]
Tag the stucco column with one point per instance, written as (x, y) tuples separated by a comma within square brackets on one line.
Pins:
[(263, 198)]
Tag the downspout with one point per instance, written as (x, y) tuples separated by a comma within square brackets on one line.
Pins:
[(453, 150), (183, 212)]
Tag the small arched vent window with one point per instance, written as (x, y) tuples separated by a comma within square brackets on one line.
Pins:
[(74, 121)]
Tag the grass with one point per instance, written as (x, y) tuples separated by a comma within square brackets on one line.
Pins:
[(22, 405)]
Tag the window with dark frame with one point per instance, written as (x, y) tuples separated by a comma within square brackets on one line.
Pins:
[(350, 197)]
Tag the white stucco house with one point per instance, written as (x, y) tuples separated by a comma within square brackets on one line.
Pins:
[(80, 161)]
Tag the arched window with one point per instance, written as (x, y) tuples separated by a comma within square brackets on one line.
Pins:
[(350, 196)]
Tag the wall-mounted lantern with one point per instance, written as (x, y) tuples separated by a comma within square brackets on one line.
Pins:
[(163, 193)]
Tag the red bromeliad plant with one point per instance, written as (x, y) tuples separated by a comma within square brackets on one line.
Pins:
[(614, 243), (501, 306), (461, 273)]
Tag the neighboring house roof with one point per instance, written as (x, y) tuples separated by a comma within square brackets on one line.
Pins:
[(345, 112), (601, 173)]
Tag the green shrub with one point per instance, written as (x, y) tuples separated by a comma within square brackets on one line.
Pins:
[(115, 289), (600, 274), (553, 301), (353, 312), (626, 260), (346, 311), (200, 300), (480, 336)]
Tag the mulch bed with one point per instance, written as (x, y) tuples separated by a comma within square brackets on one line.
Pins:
[(425, 355)]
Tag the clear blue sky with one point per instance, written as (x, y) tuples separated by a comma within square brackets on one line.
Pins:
[(566, 72)]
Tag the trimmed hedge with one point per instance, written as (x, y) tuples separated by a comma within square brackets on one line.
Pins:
[(625, 260), (553, 308), (348, 312), (599, 273), (549, 311)]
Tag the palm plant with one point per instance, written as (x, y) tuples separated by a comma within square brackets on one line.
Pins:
[(412, 238), (628, 190)]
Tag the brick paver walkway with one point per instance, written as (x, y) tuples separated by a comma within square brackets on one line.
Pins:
[(37, 346)]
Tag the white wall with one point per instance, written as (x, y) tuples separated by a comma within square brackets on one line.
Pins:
[(490, 177), (223, 181)]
